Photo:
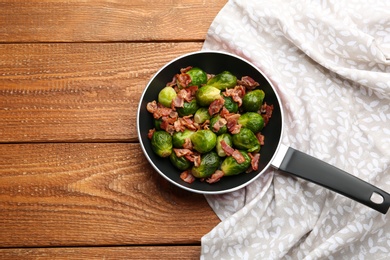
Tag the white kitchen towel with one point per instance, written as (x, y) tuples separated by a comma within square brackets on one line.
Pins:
[(330, 62)]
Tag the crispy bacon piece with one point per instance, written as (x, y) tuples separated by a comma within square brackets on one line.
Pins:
[(266, 112), (224, 112), (238, 156), (226, 148), (151, 132), (180, 152), (185, 94), (216, 106), (184, 70), (194, 157), (260, 137), (183, 79), (187, 144), (232, 123), (237, 93), (152, 106), (219, 124), (216, 176), (255, 157), (187, 177), (248, 82), (173, 82), (177, 102)]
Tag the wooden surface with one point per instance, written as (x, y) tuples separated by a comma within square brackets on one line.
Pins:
[(74, 183)]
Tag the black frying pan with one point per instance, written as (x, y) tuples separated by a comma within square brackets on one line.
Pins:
[(273, 153)]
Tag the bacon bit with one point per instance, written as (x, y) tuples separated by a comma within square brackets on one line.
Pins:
[(197, 160), (183, 79), (248, 82), (170, 129), (210, 76), (219, 124), (184, 70), (161, 111), (194, 157), (226, 148), (205, 125), (185, 95), (192, 90), (238, 156), (254, 161), (237, 93), (216, 176), (187, 144), (224, 113), (177, 102), (180, 152), (151, 132), (266, 112), (232, 123), (187, 177), (216, 106), (235, 129), (188, 122), (260, 137), (152, 106)]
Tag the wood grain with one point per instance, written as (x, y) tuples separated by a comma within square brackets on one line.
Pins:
[(106, 21), (77, 92), (147, 252), (93, 194)]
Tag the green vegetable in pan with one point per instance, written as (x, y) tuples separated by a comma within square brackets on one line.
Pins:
[(179, 162), (166, 95), (201, 115), (198, 76), (207, 94), (223, 80), (230, 166), (252, 120), (228, 140), (204, 141), (208, 165), (246, 140), (253, 100), (179, 138), (162, 143), (189, 108)]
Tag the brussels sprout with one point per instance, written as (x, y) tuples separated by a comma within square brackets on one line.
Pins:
[(198, 76), (252, 120), (162, 143), (179, 162), (166, 95), (246, 140), (223, 80), (178, 138), (228, 140), (204, 141), (209, 163), (207, 94), (201, 115), (253, 100), (230, 166), (213, 121), (189, 108), (157, 123), (230, 105)]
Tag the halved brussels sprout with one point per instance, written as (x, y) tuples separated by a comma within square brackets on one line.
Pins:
[(166, 95), (201, 115), (178, 138), (230, 166), (208, 165), (252, 120), (207, 94), (198, 76), (220, 130), (189, 108), (223, 80), (230, 105), (204, 141), (162, 143), (246, 140), (253, 100), (228, 140), (179, 162)]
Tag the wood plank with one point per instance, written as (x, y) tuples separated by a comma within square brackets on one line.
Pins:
[(152, 252), (77, 92), (91, 194), (77, 20)]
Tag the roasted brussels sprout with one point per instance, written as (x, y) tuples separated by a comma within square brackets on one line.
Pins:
[(157, 123), (179, 138), (166, 95), (253, 100), (228, 140), (230, 166), (207, 94), (223, 80), (162, 143), (208, 165), (252, 120), (246, 140), (204, 141), (215, 125), (198, 76), (201, 115), (230, 105), (189, 108), (179, 162)]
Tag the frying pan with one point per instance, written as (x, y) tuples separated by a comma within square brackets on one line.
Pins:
[(273, 153)]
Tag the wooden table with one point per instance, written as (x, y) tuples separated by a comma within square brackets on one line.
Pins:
[(74, 182)]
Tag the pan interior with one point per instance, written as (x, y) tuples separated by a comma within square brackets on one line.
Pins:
[(214, 63)]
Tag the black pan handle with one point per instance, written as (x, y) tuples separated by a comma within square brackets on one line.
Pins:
[(314, 170)]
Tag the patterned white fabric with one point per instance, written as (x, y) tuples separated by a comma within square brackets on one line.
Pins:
[(330, 63)]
